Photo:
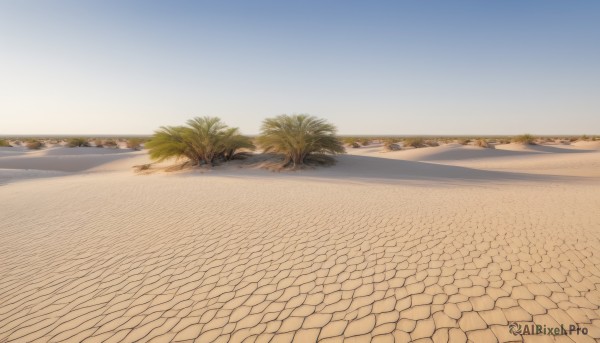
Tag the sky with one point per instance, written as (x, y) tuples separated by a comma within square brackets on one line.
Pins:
[(369, 67)]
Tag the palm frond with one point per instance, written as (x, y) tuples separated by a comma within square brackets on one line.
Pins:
[(203, 140), (298, 136)]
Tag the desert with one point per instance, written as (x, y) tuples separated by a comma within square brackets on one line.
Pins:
[(447, 243), (299, 171)]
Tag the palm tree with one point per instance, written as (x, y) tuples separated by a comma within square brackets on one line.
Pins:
[(232, 141), (298, 137), (205, 136), (202, 141), (168, 142)]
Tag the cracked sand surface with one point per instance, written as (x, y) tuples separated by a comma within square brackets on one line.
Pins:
[(120, 258)]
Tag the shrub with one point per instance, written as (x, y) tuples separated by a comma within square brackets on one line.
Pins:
[(524, 139), (134, 143), (365, 142), (432, 143), (393, 147), (109, 143), (298, 137), (463, 141), (98, 143), (232, 141), (203, 141), (482, 143), (355, 145), (4, 143), (348, 140), (416, 142), (34, 144), (77, 142)]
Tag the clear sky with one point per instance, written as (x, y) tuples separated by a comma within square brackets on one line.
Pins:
[(370, 67)]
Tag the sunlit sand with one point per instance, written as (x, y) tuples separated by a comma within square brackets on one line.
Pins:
[(447, 243)]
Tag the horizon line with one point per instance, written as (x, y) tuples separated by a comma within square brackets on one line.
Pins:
[(42, 135)]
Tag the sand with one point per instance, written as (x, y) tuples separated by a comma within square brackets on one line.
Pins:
[(436, 244)]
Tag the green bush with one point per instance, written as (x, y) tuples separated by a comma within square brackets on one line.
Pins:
[(348, 140), (134, 143), (5, 143), (298, 137), (524, 139), (202, 141), (77, 143), (415, 142), (391, 145)]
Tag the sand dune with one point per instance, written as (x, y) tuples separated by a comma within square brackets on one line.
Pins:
[(452, 152), (65, 159), (12, 151), (587, 144), (436, 244), (534, 160), (540, 148), (61, 151), (366, 167)]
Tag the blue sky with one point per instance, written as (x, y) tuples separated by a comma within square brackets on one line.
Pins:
[(370, 67)]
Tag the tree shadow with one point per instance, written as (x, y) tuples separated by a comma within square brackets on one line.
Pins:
[(366, 167), (352, 168), (537, 148)]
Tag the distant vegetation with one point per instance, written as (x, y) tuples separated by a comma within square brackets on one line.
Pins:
[(349, 140), (109, 143), (134, 143), (482, 143), (415, 142), (524, 139), (300, 138), (391, 144), (78, 142), (34, 144), (203, 141), (4, 143)]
